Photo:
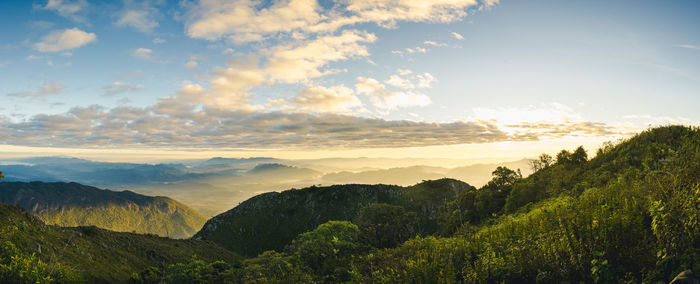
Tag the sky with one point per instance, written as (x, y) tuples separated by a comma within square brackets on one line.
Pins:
[(470, 79)]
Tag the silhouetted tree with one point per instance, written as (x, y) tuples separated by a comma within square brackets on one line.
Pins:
[(504, 176), (542, 162), (579, 156)]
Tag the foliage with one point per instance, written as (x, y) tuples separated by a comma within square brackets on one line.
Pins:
[(17, 267), (383, 225), (91, 254)]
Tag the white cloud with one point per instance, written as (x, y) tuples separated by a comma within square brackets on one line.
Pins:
[(336, 99), (457, 36), (690, 46), (410, 50), (298, 63), (403, 72), (142, 53), (138, 19), (425, 80), (48, 89), (68, 9), (385, 100), (158, 40), (397, 81), (432, 43), (60, 40), (243, 20), (119, 88), (191, 64)]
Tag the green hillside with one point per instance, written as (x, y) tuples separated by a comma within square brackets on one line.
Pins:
[(631, 214), (86, 254), (270, 221), (73, 204)]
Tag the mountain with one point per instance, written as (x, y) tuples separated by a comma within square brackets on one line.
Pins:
[(87, 254), (271, 220), (73, 204), (102, 174), (398, 176)]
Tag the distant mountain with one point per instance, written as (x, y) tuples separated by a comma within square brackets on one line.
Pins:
[(73, 204), (89, 254), (101, 174), (271, 220), (280, 172), (480, 174), (398, 176)]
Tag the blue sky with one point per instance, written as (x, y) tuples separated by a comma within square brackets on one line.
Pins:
[(342, 76)]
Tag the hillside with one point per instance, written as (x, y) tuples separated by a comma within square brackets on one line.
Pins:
[(628, 215), (88, 254), (73, 204), (271, 220)]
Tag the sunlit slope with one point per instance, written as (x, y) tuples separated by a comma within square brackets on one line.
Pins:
[(73, 204)]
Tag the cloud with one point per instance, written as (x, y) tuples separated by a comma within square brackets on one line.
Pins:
[(690, 46), (142, 53), (403, 71), (191, 64), (204, 128), (457, 36), (336, 99), (138, 15), (158, 40), (432, 43), (69, 9), (60, 40), (119, 88), (296, 63), (244, 21), (409, 50), (48, 89), (385, 100), (137, 19)]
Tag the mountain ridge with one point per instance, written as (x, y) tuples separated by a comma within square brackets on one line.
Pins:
[(74, 204)]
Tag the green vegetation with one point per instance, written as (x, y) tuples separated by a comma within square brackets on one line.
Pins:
[(272, 220), (73, 204), (630, 214), (35, 252)]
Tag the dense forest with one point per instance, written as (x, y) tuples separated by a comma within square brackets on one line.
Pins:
[(630, 214)]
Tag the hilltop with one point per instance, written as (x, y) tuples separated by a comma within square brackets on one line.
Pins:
[(270, 221)]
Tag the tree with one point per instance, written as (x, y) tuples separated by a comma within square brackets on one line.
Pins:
[(1, 176), (383, 225), (564, 157), (327, 247), (579, 156), (542, 162), (504, 176)]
